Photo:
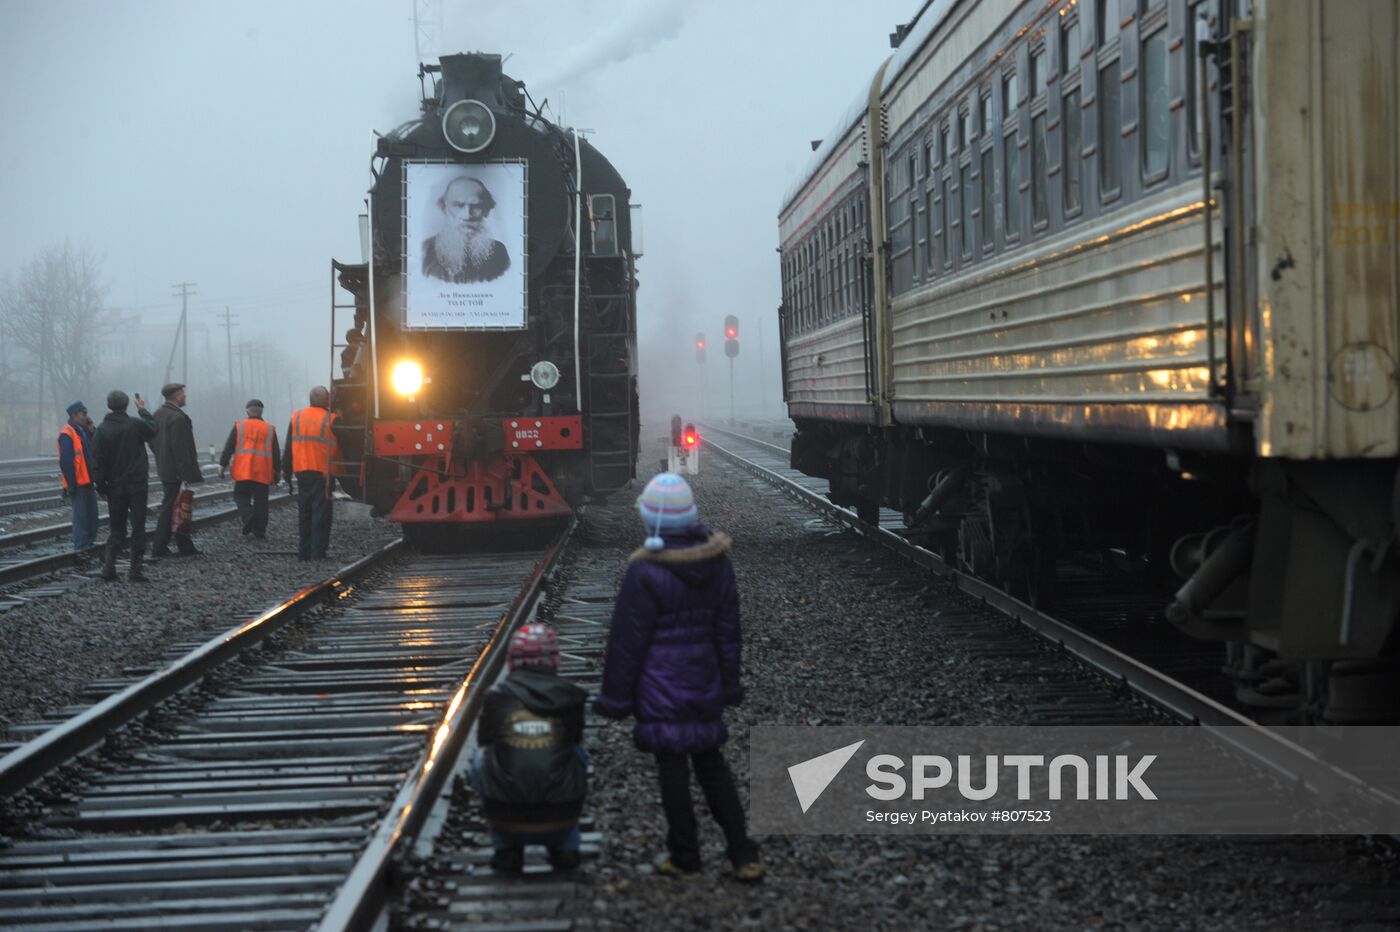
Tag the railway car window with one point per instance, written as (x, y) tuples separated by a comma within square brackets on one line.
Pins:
[(1037, 72), (965, 195), (989, 197), (1069, 45), (1109, 17), (1197, 29), (1072, 159), (1110, 124), (1040, 202), (1009, 95), (1011, 182), (920, 235), (1156, 117), (933, 210), (944, 218)]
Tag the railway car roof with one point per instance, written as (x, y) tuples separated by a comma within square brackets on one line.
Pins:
[(931, 15)]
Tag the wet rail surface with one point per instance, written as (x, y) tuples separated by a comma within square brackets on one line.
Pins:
[(449, 883), (275, 793)]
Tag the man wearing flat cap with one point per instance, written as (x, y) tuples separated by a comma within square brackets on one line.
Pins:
[(177, 462), (124, 473), (79, 470), (251, 452)]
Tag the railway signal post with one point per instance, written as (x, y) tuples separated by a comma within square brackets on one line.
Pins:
[(731, 349), (683, 458)]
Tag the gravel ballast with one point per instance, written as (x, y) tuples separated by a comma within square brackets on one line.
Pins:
[(839, 632), (51, 648)]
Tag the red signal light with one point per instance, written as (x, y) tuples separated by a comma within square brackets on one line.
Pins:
[(731, 332), (699, 344), (690, 438)]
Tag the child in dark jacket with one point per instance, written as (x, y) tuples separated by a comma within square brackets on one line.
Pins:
[(532, 771), (673, 663)]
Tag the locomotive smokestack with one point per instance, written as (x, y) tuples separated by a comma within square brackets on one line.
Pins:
[(471, 77)]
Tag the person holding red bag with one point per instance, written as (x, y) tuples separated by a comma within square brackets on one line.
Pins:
[(177, 462)]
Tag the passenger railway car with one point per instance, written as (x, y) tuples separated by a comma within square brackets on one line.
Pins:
[(1120, 277), (489, 373)]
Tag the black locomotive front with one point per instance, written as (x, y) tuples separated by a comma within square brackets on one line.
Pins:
[(490, 371)]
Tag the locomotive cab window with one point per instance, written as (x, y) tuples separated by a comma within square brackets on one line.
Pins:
[(602, 211)]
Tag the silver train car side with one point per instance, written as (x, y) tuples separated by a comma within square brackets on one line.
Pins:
[(1120, 277)]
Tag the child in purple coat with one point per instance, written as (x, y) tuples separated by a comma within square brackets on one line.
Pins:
[(673, 664)]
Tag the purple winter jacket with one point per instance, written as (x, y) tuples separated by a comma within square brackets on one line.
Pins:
[(673, 650)]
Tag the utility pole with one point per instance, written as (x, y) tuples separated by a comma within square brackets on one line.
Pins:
[(182, 333), (228, 343)]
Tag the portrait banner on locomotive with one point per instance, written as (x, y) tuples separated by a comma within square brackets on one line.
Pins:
[(464, 245)]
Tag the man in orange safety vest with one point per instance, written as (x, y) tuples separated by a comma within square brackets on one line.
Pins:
[(252, 456), (310, 455)]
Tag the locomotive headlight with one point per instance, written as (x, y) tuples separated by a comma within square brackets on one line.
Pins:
[(545, 375), (406, 377), (469, 126)]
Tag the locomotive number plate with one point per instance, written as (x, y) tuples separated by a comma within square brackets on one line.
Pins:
[(527, 434)]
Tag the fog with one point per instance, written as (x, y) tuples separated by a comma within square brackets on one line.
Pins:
[(227, 145)]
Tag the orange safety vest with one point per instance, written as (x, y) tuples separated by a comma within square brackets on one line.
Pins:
[(252, 458), (80, 470), (312, 442)]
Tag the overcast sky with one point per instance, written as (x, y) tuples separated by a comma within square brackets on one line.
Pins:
[(227, 143)]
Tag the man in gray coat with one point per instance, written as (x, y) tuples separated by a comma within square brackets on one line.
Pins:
[(177, 462)]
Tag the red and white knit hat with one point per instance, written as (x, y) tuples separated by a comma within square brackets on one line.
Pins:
[(534, 645)]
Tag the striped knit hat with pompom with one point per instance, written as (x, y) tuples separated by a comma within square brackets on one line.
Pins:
[(536, 645), (666, 504)]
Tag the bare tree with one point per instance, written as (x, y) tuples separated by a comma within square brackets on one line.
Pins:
[(49, 313)]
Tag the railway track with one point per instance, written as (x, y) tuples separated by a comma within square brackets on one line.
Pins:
[(267, 788), (1100, 629), (38, 551)]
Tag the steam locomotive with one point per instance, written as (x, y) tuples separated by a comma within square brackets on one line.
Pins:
[(1118, 277), (489, 374)]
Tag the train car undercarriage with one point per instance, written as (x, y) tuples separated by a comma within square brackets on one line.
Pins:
[(1249, 553)]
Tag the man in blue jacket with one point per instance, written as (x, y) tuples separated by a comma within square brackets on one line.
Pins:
[(79, 469)]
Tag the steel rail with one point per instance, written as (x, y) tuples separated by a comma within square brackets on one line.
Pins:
[(20, 538), (359, 902), (18, 572), (62, 743), (1284, 758)]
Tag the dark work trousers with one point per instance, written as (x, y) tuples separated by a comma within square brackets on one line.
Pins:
[(84, 517), (170, 491), (313, 515), (126, 507), (717, 783), (251, 499)]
